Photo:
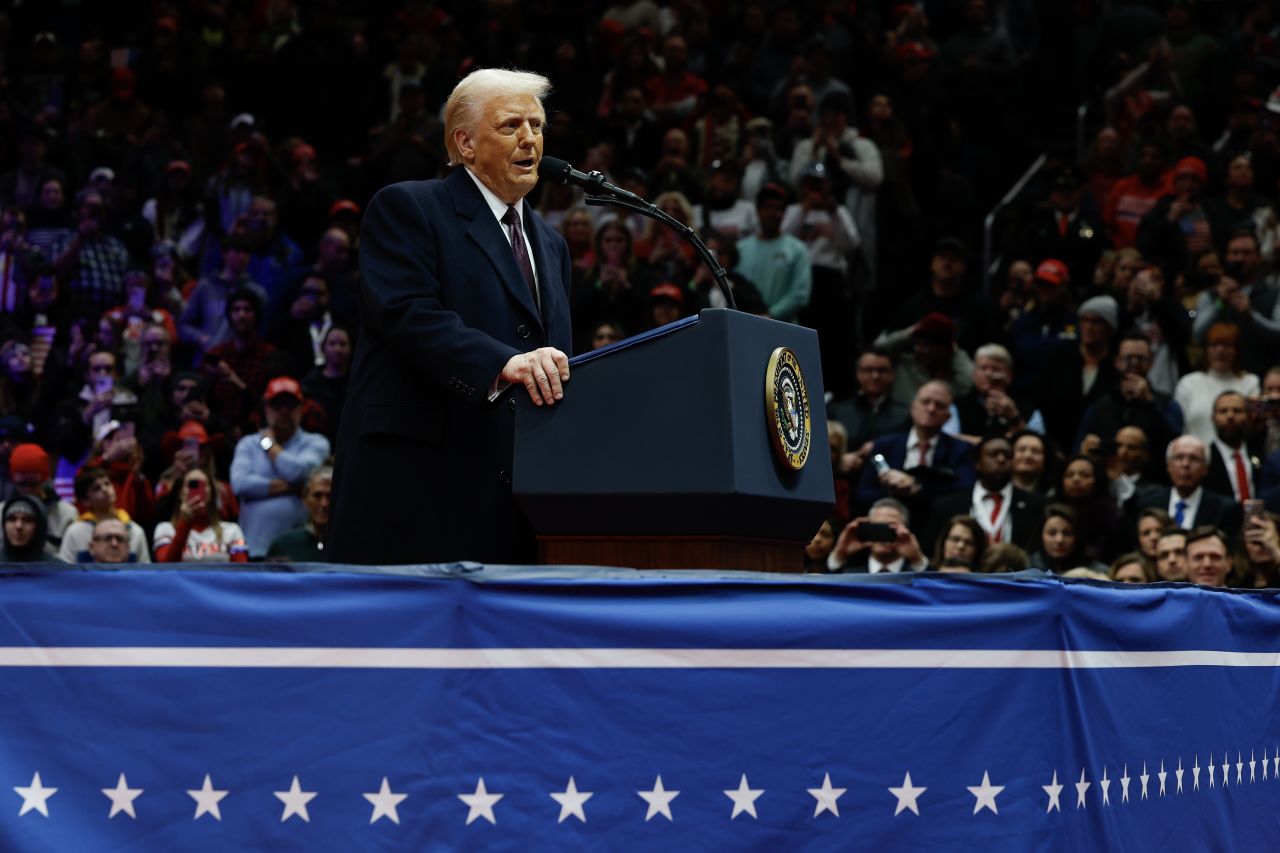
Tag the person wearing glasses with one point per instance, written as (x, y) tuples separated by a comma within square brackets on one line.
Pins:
[(195, 533), (110, 544), (96, 494)]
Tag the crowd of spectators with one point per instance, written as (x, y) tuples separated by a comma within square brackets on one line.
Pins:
[(181, 186)]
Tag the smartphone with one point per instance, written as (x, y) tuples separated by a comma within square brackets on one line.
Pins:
[(196, 490), (874, 531), (881, 464), (1254, 508), (103, 383), (192, 445)]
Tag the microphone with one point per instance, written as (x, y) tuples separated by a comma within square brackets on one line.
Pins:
[(593, 182)]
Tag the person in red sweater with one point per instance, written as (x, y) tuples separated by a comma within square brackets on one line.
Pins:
[(1133, 197)]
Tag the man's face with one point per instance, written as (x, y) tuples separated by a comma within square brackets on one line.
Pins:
[(317, 501), (932, 355), (990, 374), (155, 345), (1186, 464), (1229, 419), (1181, 123), (874, 374), (51, 195), (102, 364), (723, 185), (183, 390), (335, 249), (885, 552), (316, 290), (284, 413), (947, 267), (30, 483), (1134, 357), (236, 260), (1131, 450), (242, 318), (101, 497), (506, 146), (931, 407), (262, 215), (1244, 251), (336, 348), (19, 528), (110, 543), (769, 211), (1150, 163), (675, 144), (1208, 562), (1093, 329), (995, 463)]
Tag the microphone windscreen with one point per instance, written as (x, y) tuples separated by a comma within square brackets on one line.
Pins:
[(554, 168)]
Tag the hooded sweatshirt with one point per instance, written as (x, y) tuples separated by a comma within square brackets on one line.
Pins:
[(34, 551)]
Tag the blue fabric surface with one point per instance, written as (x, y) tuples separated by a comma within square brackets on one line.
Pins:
[(438, 677)]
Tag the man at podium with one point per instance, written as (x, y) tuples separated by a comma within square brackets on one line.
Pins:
[(464, 292)]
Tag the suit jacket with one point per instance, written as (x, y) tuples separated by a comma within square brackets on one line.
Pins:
[(952, 470), (1218, 480), (1223, 513), (425, 469), (1025, 513)]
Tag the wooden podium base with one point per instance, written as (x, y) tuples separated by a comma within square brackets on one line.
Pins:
[(673, 552)]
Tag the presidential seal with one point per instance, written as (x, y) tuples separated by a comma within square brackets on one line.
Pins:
[(786, 403)]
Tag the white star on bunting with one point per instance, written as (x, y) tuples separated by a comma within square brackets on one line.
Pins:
[(122, 797), (1195, 774), (1275, 771), (1239, 768), (659, 800), (1253, 763), (985, 794), (1162, 775), (1054, 790), (384, 803), (35, 796), (744, 798), (1211, 771), (1264, 765), (1143, 779), (207, 799), (907, 796), (1179, 773), (295, 801), (1124, 784), (1225, 774), (1106, 787), (826, 797), (571, 801), (480, 803), (1082, 787)]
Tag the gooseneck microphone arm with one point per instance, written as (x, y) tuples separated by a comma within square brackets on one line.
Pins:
[(601, 193)]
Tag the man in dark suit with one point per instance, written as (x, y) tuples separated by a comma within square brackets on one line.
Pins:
[(1189, 503), (855, 551), (464, 292), (1233, 469), (924, 462), (1005, 512)]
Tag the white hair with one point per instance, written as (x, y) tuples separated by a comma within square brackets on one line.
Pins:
[(995, 351), (1186, 439), (466, 103)]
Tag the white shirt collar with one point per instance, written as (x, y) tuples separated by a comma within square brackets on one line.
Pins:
[(875, 567), (1192, 502), (497, 205)]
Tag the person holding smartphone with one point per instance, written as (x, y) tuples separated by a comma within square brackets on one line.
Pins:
[(881, 541), (195, 533)]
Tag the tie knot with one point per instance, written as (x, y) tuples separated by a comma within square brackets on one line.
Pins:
[(510, 217)]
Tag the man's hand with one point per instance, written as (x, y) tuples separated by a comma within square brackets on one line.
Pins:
[(908, 545), (542, 373), (278, 487), (848, 543), (899, 483), (1135, 387)]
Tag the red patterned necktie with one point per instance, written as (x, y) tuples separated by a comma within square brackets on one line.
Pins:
[(1242, 478)]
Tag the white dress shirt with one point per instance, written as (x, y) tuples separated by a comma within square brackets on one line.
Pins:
[(499, 208), (1228, 455), (913, 451), (981, 512), (1192, 502)]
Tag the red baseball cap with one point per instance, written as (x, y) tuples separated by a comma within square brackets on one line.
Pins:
[(1053, 271), (283, 385), (344, 205), (29, 459), (1191, 166), (667, 290)]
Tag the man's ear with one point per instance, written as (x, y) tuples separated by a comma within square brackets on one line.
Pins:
[(465, 144)]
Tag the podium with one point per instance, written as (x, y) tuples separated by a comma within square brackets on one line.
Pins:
[(676, 449)]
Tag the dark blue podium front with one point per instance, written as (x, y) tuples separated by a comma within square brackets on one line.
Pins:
[(659, 455)]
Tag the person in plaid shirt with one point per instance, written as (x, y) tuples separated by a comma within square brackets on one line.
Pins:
[(90, 260)]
